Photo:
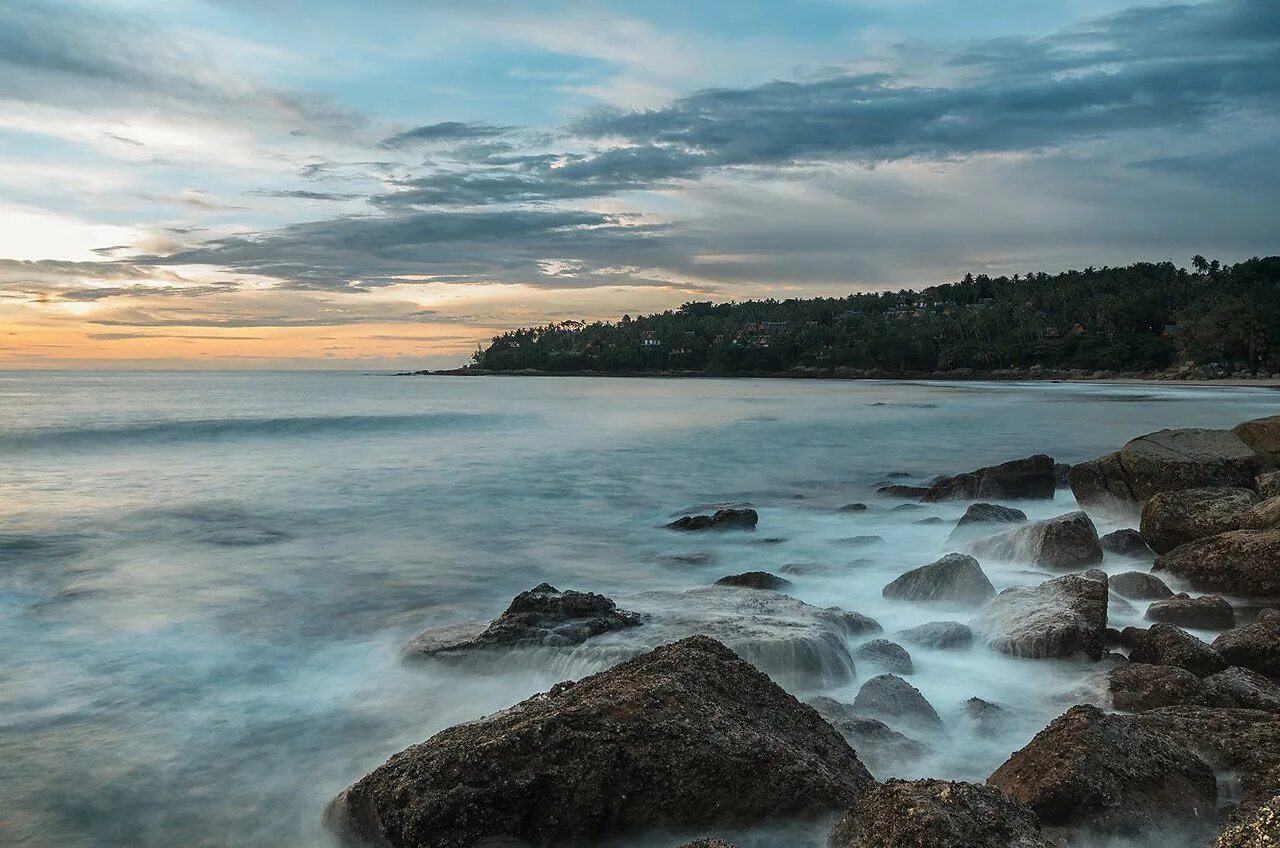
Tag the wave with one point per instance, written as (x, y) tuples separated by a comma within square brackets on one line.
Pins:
[(226, 429)]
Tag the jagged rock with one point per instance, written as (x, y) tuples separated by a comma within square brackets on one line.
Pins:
[(1260, 829), (987, 717), (1264, 515), (882, 748), (1126, 542), (1061, 475), (1141, 686), (899, 491), (1108, 773), (1267, 485), (854, 507), (1256, 646), (1059, 618), (1261, 434), (889, 697), (887, 655), (722, 519), (1139, 585), (1241, 562), (756, 580), (937, 814), (1167, 461), (938, 634), (1029, 478), (685, 736), (955, 579), (542, 616), (1165, 644), (980, 514), (1067, 541), (1242, 687), (1207, 612), (1170, 519)]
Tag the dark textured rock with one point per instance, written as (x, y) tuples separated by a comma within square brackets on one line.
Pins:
[(1108, 773), (1241, 562), (1126, 542), (1139, 585), (1261, 434), (1067, 541), (1170, 519), (542, 616), (988, 718), (1140, 686), (861, 540), (899, 491), (891, 698), (1207, 612), (1059, 618), (710, 842), (857, 624), (854, 507), (756, 580), (884, 654), (955, 579), (1029, 478), (685, 736), (930, 521), (1165, 644), (723, 519), (1267, 484), (1256, 646), (937, 814), (979, 515), (1062, 475), (1242, 687), (1130, 636), (883, 749), (1264, 515), (1258, 829), (938, 634)]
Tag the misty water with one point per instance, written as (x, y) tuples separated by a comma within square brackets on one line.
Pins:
[(206, 580)]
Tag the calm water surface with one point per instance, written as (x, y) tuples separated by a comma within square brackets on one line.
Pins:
[(206, 579)]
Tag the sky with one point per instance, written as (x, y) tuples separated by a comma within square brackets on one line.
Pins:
[(388, 183)]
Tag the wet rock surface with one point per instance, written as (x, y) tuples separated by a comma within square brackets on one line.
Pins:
[(722, 519), (1264, 515), (892, 699), (1029, 478), (685, 736), (1255, 646), (956, 579), (879, 746), (1240, 562), (937, 814), (885, 655), (756, 580), (938, 634), (1165, 644), (897, 490), (1207, 612), (1170, 519), (1126, 542), (979, 516), (1139, 585), (1067, 541), (1063, 617)]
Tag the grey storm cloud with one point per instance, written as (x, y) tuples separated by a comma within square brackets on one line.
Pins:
[(446, 131)]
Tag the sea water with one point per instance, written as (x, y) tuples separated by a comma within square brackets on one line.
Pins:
[(206, 579)]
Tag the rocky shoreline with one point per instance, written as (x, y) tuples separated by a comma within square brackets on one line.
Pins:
[(694, 730)]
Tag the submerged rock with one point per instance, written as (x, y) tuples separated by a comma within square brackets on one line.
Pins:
[(1241, 562), (542, 616), (756, 580), (1207, 612), (1063, 617), (955, 579), (883, 749), (1029, 478), (986, 716), (1108, 773), (1139, 585), (722, 519), (854, 507), (685, 736), (980, 514), (937, 814), (887, 655), (938, 634), (1126, 542), (1170, 519), (1256, 646), (888, 696), (1165, 644), (899, 491), (1067, 541)]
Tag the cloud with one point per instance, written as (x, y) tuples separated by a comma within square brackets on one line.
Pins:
[(446, 131), (302, 194)]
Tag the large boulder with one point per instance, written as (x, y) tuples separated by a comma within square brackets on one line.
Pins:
[(1063, 617), (1108, 773), (889, 656), (955, 579), (685, 736), (1167, 461), (1242, 687), (1029, 478), (1256, 646), (1139, 585), (938, 635), (979, 516), (1207, 612), (1067, 541), (1241, 562), (937, 814), (1137, 687), (723, 519), (1165, 644), (1264, 515), (1261, 434), (1170, 519), (1125, 542), (889, 697), (542, 616)]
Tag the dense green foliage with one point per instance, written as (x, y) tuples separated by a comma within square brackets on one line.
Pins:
[(1100, 318)]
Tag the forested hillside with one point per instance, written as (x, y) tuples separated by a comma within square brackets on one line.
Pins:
[(1144, 317)]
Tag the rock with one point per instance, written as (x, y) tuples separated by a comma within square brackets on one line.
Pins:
[(985, 514), (899, 491), (711, 842), (931, 520), (1140, 686), (938, 635), (1241, 562), (854, 507), (1260, 829), (891, 698), (887, 655), (883, 749), (1126, 542), (1255, 646), (723, 519), (1131, 636), (685, 736), (856, 624), (1164, 644), (1139, 585), (756, 580), (1030, 478), (988, 717), (937, 814), (542, 616), (955, 579), (1068, 541), (1261, 434), (1170, 519), (1241, 687), (1264, 515), (1108, 773), (1059, 618), (861, 540), (1267, 485), (1061, 475), (1167, 461), (906, 507), (1207, 612)]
